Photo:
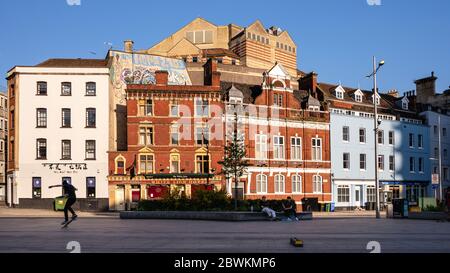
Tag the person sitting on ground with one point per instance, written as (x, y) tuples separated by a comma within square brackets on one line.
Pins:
[(289, 208), (266, 208)]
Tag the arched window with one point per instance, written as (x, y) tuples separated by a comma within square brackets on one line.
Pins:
[(296, 184), (279, 183), (261, 183), (278, 84), (120, 165), (317, 184)]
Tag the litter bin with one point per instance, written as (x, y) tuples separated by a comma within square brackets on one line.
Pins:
[(310, 204), (332, 207), (59, 203), (389, 211), (400, 208)]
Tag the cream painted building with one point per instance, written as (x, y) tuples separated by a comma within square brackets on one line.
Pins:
[(58, 130)]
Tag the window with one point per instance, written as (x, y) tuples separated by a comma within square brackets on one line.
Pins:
[(381, 162), (90, 187), (296, 148), (279, 183), (202, 163), (174, 109), (358, 98), (339, 95), (65, 149), (278, 100), (194, 59), (174, 163), (90, 117), (41, 148), (362, 161), (91, 89), (380, 137), (66, 89), (317, 184), (37, 187), (41, 118), (146, 135), (346, 161), (420, 141), (343, 194), (65, 118), (261, 183), (202, 135), (411, 140), (391, 163), (200, 36), (12, 119), (420, 164), (90, 149), (120, 165), (371, 194), (296, 183), (174, 135), (405, 105), (146, 164), (345, 134), (41, 88), (146, 107), (316, 149), (261, 147), (201, 108), (391, 138), (444, 132), (362, 135), (278, 147), (412, 163), (435, 130)]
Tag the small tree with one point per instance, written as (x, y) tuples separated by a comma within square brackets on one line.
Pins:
[(234, 163)]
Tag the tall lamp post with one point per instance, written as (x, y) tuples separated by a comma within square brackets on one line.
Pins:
[(376, 124)]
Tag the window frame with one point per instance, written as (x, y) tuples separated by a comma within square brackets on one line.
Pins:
[(345, 135), (63, 84), (279, 184), (279, 148), (316, 149), (362, 136), (149, 135), (343, 194), (344, 161), (88, 195), (88, 94), (363, 162), (297, 184), (63, 155), (39, 118), (296, 148), (87, 150), (38, 147), (261, 183), (62, 118), (38, 89), (317, 180), (94, 111), (259, 143)]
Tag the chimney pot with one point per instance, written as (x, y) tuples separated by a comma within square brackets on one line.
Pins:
[(128, 46), (162, 77)]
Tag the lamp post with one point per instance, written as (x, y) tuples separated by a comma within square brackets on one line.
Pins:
[(376, 124)]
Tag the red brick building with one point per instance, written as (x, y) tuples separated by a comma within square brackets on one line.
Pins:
[(176, 135), (173, 140)]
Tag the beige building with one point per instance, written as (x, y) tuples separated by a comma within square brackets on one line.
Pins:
[(3, 141), (253, 46)]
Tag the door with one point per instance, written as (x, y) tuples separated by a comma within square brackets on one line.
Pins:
[(120, 198), (358, 196)]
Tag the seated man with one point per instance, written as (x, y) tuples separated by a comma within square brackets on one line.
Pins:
[(289, 208), (266, 209)]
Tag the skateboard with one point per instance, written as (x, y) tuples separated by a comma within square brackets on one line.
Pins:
[(66, 224), (296, 242)]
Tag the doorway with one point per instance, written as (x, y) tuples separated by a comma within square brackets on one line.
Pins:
[(120, 198), (358, 196)]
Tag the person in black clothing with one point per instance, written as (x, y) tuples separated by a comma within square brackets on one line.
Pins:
[(69, 192), (289, 208)]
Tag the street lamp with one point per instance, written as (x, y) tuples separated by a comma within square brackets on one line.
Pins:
[(376, 123)]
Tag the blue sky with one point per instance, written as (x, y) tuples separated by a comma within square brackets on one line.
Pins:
[(335, 38)]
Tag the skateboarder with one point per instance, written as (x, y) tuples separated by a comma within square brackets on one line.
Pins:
[(267, 210), (69, 192), (289, 208)]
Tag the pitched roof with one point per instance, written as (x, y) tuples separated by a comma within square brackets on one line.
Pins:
[(84, 63)]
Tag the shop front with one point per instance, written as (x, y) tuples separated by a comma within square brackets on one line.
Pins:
[(415, 192)]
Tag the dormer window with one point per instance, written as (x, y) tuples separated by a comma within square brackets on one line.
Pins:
[(358, 98), (339, 95), (404, 105), (377, 100)]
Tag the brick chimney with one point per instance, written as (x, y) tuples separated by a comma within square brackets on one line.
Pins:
[(211, 75), (425, 88), (128, 46), (309, 83), (162, 77)]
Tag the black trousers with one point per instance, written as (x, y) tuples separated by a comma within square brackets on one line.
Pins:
[(290, 212), (68, 207)]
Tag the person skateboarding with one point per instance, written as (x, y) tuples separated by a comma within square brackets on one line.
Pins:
[(69, 192)]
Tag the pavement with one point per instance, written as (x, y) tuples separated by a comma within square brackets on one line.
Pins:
[(321, 235)]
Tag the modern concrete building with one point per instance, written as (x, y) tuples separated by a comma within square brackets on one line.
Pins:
[(58, 130), (3, 143), (403, 151)]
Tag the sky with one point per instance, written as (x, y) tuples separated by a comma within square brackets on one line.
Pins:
[(335, 38)]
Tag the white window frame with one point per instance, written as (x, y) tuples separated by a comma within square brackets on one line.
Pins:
[(261, 146), (363, 135), (346, 134), (297, 186), (278, 149), (316, 150), (343, 194), (296, 148), (343, 161), (280, 183), (261, 183), (364, 161), (317, 183)]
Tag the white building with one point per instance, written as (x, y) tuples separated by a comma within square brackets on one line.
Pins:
[(58, 130)]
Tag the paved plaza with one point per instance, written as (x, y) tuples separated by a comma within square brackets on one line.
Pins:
[(110, 234)]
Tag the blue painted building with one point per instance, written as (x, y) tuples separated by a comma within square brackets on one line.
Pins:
[(403, 150)]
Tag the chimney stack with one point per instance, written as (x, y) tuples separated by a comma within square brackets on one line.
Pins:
[(211, 75), (162, 77), (425, 88), (309, 83), (128, 46)]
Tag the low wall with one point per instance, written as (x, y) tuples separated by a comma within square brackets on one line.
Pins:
[(428, 215), (82, 204), (204, 215)]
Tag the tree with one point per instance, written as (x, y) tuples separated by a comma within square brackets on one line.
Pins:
[(234, 163)]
